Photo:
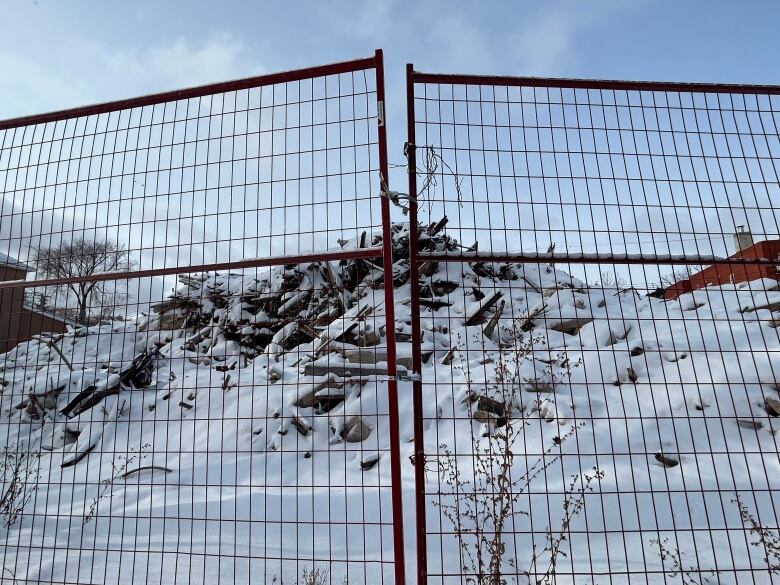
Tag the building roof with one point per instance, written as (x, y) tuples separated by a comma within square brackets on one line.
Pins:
[(763, 250), (722, 273), (13, 263), (49, 315)]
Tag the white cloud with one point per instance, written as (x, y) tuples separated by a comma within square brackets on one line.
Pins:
[(463, 47), (544, 45), (547, 41), (372, 18), (29, 86), (83, 71), (185, 62)]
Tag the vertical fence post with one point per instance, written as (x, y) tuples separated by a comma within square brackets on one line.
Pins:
[(414, 277), (392, 383)]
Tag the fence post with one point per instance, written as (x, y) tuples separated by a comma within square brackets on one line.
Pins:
[(414, 277), (392, 383)]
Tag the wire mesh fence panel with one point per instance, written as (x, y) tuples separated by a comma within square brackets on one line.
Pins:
[(243, 171), (595, 327), (198, 337)]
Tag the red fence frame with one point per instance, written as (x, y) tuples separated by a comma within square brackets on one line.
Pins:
[(374, 63), (417, 258), (747, 264)]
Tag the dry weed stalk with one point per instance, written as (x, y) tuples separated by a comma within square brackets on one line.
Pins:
[(481, 499), (20, 471)]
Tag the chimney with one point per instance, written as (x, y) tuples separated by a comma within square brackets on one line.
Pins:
[(742, 238)]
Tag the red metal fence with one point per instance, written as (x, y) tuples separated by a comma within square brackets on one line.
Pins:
[(237, 423), (206, 309), (571, 425)]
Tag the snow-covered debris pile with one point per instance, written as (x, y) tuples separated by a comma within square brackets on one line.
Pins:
[(277, 379), (234, 315)]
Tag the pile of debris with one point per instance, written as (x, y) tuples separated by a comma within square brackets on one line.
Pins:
[(316, 329), (286, 306)]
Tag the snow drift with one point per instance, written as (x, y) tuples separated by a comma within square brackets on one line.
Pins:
[(242, 424)]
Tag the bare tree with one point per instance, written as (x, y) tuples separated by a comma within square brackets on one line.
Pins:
[(610, 279), (679, 274), (82, 257)]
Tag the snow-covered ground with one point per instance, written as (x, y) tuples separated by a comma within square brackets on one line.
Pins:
[(216, 441)]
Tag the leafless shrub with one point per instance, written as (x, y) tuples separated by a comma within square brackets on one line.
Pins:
[(484, 509), (573, 505), (119, 468), (314, 576), (611, 280), (680, 274), (671, 558), (767, 539), (20, 471)]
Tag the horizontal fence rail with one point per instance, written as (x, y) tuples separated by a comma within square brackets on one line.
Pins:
[(594, 258), (333, 255), (598, 84), (193, 92), (594, 321), (197, 377)]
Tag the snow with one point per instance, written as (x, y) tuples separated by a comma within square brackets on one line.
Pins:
[(249, 492)]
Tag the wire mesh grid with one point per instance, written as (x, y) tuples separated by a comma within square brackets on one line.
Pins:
[(266, 170), (195, 327), (595, 329)]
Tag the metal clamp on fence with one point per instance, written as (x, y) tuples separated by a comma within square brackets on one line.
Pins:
[(395, 197), (406, 376)]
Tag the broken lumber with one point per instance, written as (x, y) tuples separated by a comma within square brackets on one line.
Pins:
[(490, 327), (434, 302), (346, 370), (476, 312)]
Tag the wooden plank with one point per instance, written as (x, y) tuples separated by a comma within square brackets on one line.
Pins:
[(475, 314)]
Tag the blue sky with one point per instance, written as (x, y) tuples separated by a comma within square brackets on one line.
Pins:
[(55, 54)]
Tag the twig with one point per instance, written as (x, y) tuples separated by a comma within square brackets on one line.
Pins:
[(768, 540), (145, 468), (53, 345), (119, 472)]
